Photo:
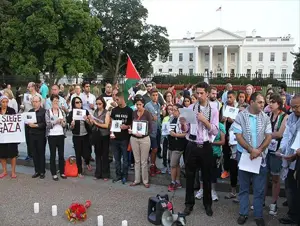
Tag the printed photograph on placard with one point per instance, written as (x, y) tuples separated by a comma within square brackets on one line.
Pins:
[(29, 117), (140, 127), (116, 125), (78, 114)]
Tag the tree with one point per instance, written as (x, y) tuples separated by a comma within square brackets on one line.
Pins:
[(296, 72), (6, 12), (125, 31), (53, 37)]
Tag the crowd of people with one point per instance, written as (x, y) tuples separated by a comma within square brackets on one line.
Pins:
[(207, 149)]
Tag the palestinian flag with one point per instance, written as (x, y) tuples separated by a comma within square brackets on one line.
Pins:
[(132, 77)]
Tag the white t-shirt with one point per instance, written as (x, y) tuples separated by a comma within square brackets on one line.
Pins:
[(27, 101), (88, 99)]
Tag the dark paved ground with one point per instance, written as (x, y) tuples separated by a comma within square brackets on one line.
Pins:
[(116, 202)]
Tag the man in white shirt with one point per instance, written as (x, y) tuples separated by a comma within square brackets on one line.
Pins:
[(62, 101), (213, 98), (76, 94), (88, 99), (224, 96)]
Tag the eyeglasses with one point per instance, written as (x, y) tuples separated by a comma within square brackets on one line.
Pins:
[(78, 102), (295, 107)]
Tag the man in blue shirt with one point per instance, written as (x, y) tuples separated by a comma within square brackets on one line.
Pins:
[(253, 131), (44, 90), (62, 102)]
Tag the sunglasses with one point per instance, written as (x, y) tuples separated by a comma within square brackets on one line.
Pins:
[(78, 102), (99, 104)]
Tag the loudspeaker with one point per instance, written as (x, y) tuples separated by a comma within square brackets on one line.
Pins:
[(169, 219), (156, 208)]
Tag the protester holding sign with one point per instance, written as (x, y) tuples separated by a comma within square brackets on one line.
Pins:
[(253, 131), (278, 121), (141, 143), (56, 124), (100, 138), (37, 137), (7, 150), (81, 130)]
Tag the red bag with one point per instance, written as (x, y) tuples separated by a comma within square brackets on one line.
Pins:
[(71, 169)]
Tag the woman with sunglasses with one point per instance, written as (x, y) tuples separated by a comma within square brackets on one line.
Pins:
[(8, 151), (100, 137), (81, 130), (55, 125), (140, 144)]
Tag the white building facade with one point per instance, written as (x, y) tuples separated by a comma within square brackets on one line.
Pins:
[(222, 51)]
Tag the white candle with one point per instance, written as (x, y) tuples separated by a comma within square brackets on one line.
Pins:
[(54, 210), (124, 223), (36, 207), (100, 220)]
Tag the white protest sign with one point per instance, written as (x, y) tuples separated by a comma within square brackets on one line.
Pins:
[(231, 112), (29, 117), (12, 129)]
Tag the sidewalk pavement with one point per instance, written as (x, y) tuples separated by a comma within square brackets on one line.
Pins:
[(116, 202), (163, 179)]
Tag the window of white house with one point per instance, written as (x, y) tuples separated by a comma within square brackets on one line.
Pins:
[(283, 71), (260, 57), (171, 57), (180, 71), (272, 57), (260, 71), (191, 57), (248, 71), (160, 70), (284, 56), (271, 72), (206, 57), (219, 57), (249, 57), (232, 57), (180, 56), (191, 71), (170, 70)]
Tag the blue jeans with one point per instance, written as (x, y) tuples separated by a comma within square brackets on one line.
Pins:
[(258, 182), (119, 148)]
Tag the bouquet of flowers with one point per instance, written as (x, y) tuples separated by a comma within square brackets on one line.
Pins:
[(77, 212)]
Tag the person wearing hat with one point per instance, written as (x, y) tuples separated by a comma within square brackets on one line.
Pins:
[(8, 151)]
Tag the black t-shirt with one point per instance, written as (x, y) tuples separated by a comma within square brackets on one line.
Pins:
[(176, 143), (124, 114)]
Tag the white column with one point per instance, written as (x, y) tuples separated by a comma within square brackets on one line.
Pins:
[(196, 59), (240, 71), (225, 59), (210, 58)]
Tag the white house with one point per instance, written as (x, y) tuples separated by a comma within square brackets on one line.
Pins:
[(222, 51)]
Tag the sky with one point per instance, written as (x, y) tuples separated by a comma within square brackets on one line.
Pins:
[(272, 18)]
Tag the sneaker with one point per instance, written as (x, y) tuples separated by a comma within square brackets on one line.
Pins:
[(178, 185), (118, 179), (164, 170), (172, 187), (242, 219), (157, 171), (214, 195), (80, 175), (28, 158), (124, 180), (199, 194), (55, 177), (225, 174), (273, 209), (152, 171)]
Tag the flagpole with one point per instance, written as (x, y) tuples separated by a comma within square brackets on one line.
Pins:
[(221, 18)]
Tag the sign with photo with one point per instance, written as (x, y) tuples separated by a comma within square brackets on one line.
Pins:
[(116, 126), (231, 112), (78, 114), (140, 127), (29, 117)]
